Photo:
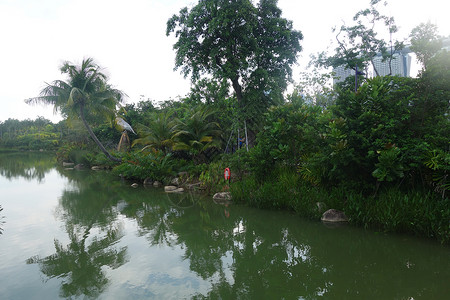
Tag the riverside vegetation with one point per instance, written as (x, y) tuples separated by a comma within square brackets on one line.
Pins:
[(380, 153)]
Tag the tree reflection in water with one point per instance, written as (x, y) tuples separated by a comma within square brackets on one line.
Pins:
[(237, 252), (80, 265), (93, 231), (32, 165)]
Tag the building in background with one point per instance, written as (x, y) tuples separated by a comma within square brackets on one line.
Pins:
[(340, 73), (400, 64)]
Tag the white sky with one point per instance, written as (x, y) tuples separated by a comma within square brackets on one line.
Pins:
[(127, 37)]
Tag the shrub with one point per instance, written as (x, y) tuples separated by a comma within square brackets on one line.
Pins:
[(154, 164)]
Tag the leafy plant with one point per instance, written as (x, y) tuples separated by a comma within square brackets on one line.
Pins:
[(389, 166)]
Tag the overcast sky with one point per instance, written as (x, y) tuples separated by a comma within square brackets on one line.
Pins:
[(127, 38)]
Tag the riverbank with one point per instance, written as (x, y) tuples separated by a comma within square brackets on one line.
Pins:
[(419, 212), (416, 212)]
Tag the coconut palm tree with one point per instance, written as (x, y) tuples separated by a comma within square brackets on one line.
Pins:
[(196, 133), (159, 132), (85, 94)]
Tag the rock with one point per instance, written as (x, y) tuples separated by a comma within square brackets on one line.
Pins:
[(68, 164), (169, 188), (177, 190), (148, 181), (79, 167), (96, 168), (334, 215), (321, 207), (175, 181), (68, 168), (135, 185), (222, 196), (157, 184)]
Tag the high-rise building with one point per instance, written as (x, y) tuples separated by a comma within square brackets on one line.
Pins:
[(400, 64), (340, 73)]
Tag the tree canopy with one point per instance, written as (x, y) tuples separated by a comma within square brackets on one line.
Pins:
[(359, 43), (425, 42), (251, 46), (85, 94)]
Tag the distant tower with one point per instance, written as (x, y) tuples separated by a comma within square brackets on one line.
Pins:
[(400, 64), (340, 73)]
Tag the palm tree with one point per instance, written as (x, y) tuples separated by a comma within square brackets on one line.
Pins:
[(196, 133), (159, 132), (85, 91)]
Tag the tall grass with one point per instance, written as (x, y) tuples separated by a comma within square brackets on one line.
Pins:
[(393, 210)]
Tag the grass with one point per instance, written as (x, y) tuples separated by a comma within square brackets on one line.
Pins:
[(418, 212)]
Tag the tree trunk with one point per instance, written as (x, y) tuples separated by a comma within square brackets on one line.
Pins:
[(237, 89), (94, 137)]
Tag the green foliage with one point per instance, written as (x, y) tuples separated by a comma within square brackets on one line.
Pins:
[(252, 47), (425, 42), (29, 134), (158, 133), (388, 167), (212, 177), (196, 134), (85, 95), (359, 42), (141, 165), (417, 212)]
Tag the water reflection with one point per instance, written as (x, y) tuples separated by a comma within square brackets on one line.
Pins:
[(29, 165), (82, 266), (87, 209), (115, 234)]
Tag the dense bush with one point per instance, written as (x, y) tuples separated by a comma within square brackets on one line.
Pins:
[(141, 165)]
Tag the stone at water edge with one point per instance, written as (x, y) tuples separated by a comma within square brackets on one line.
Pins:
[(169, 188), (67, 164), (222, 196), (135, 185), (334, 215), (177, 190), (157, 184)]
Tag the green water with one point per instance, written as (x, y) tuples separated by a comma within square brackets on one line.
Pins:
[(85, 234)]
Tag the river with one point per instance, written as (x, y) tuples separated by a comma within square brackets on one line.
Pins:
[(87, 234)]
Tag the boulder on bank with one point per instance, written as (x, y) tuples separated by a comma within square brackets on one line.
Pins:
[(177, 190), (334, 215), (157, 184), (68, 164), (135, 185), (222, 196), (169, 188), (96, 168)]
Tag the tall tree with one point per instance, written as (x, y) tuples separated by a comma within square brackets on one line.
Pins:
[(85, 94), (251, 46), (425, 42), (359, 44)]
